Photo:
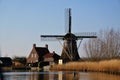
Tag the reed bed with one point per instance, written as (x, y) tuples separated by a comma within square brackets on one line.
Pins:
[(109, 66)]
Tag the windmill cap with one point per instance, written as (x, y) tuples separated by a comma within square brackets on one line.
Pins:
[(70, 36)]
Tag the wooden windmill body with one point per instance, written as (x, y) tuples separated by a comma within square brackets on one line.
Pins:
[(70, 49)]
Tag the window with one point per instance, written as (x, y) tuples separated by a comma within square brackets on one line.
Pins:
[(32, 55), (35, 55)]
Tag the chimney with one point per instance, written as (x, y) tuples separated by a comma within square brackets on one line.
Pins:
[(46, 46), (34, 45), (53, 52)]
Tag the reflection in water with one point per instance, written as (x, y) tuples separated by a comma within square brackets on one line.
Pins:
[(70, 76), (40, 77), (103, 76), (59, 76), (1, 73)]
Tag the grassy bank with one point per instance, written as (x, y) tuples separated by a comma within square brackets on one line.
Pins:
[(109, 66)]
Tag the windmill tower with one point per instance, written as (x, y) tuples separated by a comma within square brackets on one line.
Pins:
[(70, 50)]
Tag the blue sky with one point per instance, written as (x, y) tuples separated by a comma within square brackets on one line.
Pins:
[(23, 21)]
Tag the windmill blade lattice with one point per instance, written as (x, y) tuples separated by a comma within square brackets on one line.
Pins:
[(86, 35), (52, 37)]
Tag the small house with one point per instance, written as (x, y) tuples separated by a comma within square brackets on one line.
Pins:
[(37, 53), (51, 57), (42, 55)]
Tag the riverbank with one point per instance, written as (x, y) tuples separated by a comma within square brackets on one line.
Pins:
[(13, 68), (108, 66)]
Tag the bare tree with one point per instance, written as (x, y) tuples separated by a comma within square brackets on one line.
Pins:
[(106, 46)]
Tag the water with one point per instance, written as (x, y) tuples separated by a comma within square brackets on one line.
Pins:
[(59, 76)]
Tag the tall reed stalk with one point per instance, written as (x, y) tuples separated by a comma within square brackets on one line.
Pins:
[(110, 66)]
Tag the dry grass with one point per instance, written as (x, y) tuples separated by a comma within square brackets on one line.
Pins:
[(110, 66)]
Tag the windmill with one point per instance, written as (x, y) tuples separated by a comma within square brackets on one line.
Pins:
[(70, 49)]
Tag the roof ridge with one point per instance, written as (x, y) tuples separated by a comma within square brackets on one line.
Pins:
[(40, 47)]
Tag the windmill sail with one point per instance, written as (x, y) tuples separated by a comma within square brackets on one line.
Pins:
[(86, 35), (69, 10), (68, 22), (51, 37)]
